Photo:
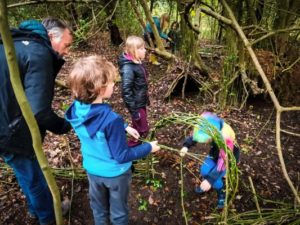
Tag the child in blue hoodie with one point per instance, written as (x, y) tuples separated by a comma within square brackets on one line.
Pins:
[(106, 155)]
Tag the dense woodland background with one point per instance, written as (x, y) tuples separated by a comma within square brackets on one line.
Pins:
[(239, 58)]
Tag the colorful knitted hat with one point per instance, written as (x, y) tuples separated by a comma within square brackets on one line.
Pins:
[(202, 133)]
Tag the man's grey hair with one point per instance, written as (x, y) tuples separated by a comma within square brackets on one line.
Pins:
[(55, 26)]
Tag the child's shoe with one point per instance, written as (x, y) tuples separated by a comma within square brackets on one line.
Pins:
[(153, 59), (221, 199), (199, 190)]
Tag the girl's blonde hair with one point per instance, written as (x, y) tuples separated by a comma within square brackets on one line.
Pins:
[(164, 21), (89, 75), (132, 44)]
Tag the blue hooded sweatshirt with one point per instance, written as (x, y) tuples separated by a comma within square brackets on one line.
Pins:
[(103, 140), (157, 24)]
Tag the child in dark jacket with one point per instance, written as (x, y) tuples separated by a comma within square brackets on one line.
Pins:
[(106, 155), (174, 34), (213, 168), (135, 84)]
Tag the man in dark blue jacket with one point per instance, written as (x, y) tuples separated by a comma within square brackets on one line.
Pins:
[(39, 48)]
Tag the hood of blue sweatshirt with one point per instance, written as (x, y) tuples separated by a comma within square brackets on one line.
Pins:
[(35, 27), (91, 116)]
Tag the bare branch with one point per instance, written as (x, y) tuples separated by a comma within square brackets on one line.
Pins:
[(291, 133), (273, 33), (291, 66), (217, 16), (50, 1)]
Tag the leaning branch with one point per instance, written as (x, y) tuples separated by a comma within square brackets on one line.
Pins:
[(140, 18), (273, 33), (208, 12), (16, 83), (50, 1), (290, 133), (153, 27)]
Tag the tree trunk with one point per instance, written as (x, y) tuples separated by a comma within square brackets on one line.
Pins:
[(26, 110), (115, 35), (153, 27), (286, 15), (232, 93), (189, 43), (251, 8), (151, 5), (140, 18)]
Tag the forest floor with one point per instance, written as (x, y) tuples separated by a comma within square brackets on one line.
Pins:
[(157, 201)]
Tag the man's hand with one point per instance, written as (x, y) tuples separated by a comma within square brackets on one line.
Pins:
[(133, 132), (205, 185), (183, 151)]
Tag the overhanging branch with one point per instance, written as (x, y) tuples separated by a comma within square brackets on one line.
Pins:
[(273, 33), (50, 1)]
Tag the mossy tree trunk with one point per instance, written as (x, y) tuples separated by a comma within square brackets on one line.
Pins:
[(230, 94), (287, 13), (189, 48)]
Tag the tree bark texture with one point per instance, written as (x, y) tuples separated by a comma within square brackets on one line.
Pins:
[(153, 27), (115, 35), (189, 47)]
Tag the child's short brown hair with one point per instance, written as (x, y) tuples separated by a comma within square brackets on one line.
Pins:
[(89, 75)]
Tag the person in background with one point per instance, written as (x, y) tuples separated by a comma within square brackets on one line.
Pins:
[(39, 49), (161, 24), (106, 155), (174, 34), (213, 168), (135, 84)]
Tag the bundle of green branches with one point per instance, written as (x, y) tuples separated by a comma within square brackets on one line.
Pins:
[(286, 214), (192, 120), (79, 173), (75, 173)]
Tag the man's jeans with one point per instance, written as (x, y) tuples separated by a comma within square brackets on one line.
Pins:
[(109, 197), (34, 186)]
